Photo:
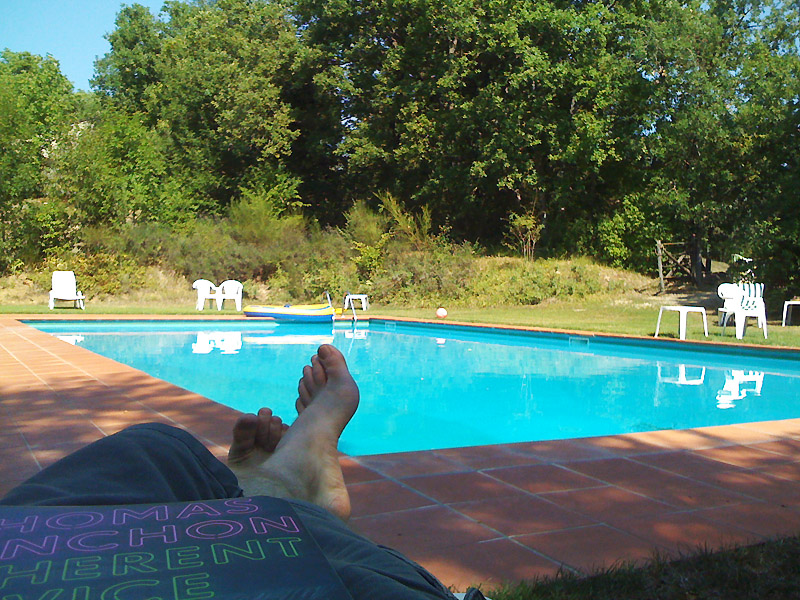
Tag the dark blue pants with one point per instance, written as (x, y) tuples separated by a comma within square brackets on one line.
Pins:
[(155, 463)]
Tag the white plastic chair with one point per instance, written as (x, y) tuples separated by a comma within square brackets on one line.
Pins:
[(205, 291), (64, 287), (743, 300), (230, 290)]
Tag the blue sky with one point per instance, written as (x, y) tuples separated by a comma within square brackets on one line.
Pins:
[(72, 31)]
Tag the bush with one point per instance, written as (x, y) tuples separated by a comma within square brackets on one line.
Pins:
[(365, 226), (146, 242), (323, 264), (513, 281), (208, 251), (46, 226), (627, 237), (97, 274), (425, 277)]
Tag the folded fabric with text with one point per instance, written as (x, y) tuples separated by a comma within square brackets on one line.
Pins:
[(235, 549)]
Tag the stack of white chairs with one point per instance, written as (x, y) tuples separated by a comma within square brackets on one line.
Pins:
[(743, 300)]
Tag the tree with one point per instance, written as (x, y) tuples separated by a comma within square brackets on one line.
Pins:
[(212, 78), (727, 122), (113, 169), (131, 67), (479, 109), (35, 104)]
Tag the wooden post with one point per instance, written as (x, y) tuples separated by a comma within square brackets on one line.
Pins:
[(660, 267), (696, 262)]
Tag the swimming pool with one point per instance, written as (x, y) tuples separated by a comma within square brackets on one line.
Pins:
[(438, 386)]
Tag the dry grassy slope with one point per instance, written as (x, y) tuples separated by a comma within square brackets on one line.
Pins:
[(162, 289), (168, 289)]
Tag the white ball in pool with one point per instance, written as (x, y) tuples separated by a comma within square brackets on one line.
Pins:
[(441, 312)]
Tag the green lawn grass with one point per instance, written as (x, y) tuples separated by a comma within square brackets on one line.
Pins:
[(606, 315), (766, 571)]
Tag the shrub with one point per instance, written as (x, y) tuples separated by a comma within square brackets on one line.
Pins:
[(364, 225), (513, 281), (209, 252), (46, 226), (627, 237), (370, 259), (524, 232), (97, 274), (425, 277), (146, 242)]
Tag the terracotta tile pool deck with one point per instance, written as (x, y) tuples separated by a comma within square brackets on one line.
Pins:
[(470, 515)]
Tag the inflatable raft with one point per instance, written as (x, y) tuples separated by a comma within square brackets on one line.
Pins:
[(300, 313)]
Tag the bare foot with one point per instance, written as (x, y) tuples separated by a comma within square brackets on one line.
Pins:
[(255, 438), (305, 462)]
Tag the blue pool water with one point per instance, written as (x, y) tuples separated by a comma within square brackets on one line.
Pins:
[(439, 386)]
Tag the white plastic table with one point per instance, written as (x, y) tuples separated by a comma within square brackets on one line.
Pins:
[(349, 298), (683, 311), (787, 310)]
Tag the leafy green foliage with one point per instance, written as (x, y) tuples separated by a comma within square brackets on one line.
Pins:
[(45, 227), (35, 105), (424, 278), (115, 170), (508, 282), (573, 128), (211, 77), (524, 231)]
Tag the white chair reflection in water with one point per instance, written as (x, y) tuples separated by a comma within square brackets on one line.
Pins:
[(355, 334), (738, 384), (228, 342), (666, 374), (204, 343), (71, 339)]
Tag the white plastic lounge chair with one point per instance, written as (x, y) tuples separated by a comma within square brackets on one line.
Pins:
[(205, 291), (64, 287), (743, 300), (229, 290)]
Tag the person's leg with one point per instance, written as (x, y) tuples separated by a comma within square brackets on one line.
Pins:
[(148, 463), (301, 464), (304, 464)]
